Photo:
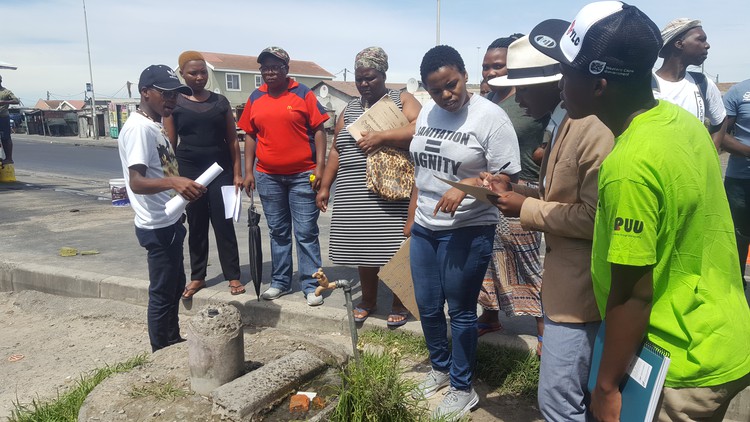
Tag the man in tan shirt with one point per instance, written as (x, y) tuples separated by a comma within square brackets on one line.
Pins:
[(563, 209)]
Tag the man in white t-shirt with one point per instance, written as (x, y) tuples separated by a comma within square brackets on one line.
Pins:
[(151, 176), (686, 44)]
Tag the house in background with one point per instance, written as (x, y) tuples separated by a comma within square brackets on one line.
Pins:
[(236, 76), (335, 95), (54, 117)]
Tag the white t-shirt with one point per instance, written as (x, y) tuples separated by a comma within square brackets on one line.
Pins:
[(687, 94), (458, 145), (142, 141)]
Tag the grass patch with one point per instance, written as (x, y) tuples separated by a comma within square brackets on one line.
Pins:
[(66, 406), (509, 371), (159, 391), (403, 342), (374, 390)]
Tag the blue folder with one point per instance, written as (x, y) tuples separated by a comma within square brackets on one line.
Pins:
[(643, 383)]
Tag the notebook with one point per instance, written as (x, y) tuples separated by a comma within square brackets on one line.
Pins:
[(642, 387)]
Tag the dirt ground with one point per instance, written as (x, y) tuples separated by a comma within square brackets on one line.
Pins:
[(61, 338)]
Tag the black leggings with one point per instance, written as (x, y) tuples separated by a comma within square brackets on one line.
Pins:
[(210, 207)]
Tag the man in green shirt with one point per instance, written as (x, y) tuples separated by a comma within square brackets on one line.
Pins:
[(6, 98), (664, 262)]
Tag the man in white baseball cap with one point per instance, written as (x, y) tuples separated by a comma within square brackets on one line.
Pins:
[(686, 44), (664, 261), (563, 209)]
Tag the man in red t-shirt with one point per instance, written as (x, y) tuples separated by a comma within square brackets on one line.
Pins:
[(284, 125)]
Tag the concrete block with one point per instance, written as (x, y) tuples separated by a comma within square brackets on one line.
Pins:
[(739, 408), (6, 276), (259, 390), (126, 289), (216, 352), (57, 281)]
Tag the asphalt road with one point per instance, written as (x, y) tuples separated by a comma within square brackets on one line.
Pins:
[(77, 161)]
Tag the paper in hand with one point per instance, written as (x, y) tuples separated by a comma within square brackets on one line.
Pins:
[(232, 202), (177, 204)]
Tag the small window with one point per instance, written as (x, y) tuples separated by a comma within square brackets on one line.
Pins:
[(233, 82), (258, 81)]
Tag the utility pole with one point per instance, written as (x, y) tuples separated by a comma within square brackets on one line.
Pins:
[(437, 34), (91, 73)]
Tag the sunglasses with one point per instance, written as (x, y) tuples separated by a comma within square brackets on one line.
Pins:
[(272, 68), (167, 95)]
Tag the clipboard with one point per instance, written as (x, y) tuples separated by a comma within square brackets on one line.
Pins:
[(480, 193)]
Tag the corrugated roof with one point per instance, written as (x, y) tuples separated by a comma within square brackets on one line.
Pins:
[(237, 62)]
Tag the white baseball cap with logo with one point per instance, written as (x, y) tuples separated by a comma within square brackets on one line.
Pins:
[(610, 38)]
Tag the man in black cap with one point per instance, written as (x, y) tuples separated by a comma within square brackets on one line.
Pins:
[(150, 170), (664, 261)]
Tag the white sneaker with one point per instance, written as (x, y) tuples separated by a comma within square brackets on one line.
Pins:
[(434, 381), (274, 293), (456, 404), (313, 300)]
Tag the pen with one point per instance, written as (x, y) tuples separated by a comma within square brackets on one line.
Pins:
[(501, 168)]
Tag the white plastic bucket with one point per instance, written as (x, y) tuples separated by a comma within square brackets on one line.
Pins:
[(119, 193)]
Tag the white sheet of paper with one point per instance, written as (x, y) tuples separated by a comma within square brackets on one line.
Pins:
[(480, 193), (232, 202), (176, 205)]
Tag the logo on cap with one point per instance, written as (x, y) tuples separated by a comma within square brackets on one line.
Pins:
[(545, 41), (171, 73), (596, 67), (572, 34)]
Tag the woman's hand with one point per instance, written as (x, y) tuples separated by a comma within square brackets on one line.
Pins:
[(249, 183), (239, 183), (321, 199), (316, 178), (370, 142), (450, 201)]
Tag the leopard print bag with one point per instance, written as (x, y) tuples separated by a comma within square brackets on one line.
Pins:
[(390, 174)]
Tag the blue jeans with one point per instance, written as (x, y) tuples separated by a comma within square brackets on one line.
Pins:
[(738, 195), (166, 274), (449, 266), (564, 371), (289, 203)]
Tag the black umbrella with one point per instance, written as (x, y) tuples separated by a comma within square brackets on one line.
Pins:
[(256, 253)]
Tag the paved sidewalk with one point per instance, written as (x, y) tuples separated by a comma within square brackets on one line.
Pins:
[(41, 213)]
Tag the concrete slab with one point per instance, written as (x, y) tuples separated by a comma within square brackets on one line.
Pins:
[(63, 282), (257, 391), (6, 276)]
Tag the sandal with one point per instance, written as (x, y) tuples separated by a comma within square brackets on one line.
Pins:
[(486, 328), (191, 291), (236, 289), (361, 313), (403, 315)]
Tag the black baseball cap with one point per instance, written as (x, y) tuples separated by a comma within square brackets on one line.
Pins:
[(162, 77), (608, 38)]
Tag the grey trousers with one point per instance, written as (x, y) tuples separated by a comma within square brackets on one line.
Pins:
[(564, 371)]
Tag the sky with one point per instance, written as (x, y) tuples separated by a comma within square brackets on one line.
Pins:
[(46, 39)]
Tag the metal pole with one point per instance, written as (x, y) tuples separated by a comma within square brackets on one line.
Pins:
[(437, 35), (346, 285), (91, 73)]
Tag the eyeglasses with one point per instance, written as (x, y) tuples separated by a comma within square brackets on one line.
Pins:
[(167, 95), (275, 68)]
